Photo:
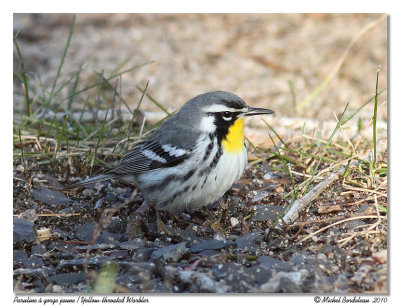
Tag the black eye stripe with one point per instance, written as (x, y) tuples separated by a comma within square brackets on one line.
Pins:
[(228, 115), (223, 124)]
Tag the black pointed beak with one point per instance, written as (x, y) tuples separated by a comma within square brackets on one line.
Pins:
[(258, 111)]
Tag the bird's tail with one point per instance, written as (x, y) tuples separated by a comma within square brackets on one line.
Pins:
[(90, 180)]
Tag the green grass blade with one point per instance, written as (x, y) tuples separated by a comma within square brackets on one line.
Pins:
[(272, 129), (294, 194), (108, 79), (362, 106), (374, 118), (63, 58), (327, 144), (154, 101), (22, 148), (24, 77), (75, 86), (98, 142), (136, 111), (106, 82), (293, 93)]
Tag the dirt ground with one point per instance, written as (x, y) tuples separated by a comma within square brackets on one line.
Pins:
[(252, 55)]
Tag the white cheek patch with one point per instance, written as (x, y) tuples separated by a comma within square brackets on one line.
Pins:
[(173, 151), (153, 156), (207, 124)]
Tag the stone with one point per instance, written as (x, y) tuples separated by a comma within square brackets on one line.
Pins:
[(259, 195), (201, 282), (285, 282), (142, 271), (209, 253), (67, 278), (117, 226), (132, 244), (33, 262), (261, 274), (29, 215), (23, 231), (266, 212), (38, 250), (190, 233), (272, 263), (84, 232), (96, 247), (286, 285), (77, 264), (60, 233), (19, 256), (171, 252), (234, 221), (50, 197), (110, 238), (219, 236), (143, 254), (211, 244), (235, 275), (226, 270), (247, 243)]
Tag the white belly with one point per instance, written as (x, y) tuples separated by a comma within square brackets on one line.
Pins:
[(198, 190), (220, 180)]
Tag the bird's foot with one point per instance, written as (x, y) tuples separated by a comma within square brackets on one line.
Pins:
[(161, 226), (134, 227)]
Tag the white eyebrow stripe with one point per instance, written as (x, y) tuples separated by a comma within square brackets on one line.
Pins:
[(222, 108), (173, 151)]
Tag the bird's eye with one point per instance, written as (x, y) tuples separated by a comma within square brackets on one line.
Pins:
[(227, 116)]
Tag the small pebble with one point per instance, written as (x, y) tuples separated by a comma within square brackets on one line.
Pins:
[(88, 192), (219, 236), (234, 221), (268, 176)]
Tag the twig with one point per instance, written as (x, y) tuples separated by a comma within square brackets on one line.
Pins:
[(370, 228), (337, 223), (59, 215), (342, 242), (22, 149), (300, 204), (364, 190), (319, 175), (54, 215), (103, 223)]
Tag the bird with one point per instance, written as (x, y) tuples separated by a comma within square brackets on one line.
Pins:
[(193, 158)]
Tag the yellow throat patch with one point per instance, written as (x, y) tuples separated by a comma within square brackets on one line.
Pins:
[(234, 141)]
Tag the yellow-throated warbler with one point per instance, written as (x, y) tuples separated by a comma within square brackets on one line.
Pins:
[(191, 159)]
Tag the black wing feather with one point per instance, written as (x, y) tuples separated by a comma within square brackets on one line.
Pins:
[(135, 161)]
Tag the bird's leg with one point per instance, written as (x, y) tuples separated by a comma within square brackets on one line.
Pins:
[(135, 224), (214, 224), (161, 226)]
